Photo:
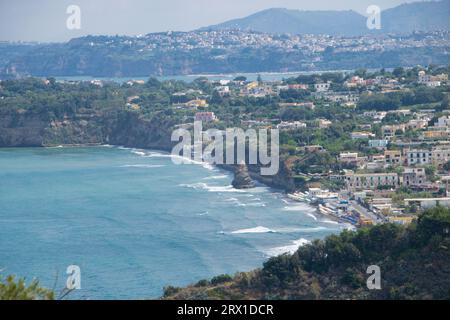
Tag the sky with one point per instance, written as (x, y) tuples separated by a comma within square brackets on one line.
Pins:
[(46, 20)]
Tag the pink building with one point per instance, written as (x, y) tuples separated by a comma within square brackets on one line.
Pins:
[(205, 116)]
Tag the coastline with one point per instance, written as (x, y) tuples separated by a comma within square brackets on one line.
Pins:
[(188, 211), (226, 168), (231, 169)]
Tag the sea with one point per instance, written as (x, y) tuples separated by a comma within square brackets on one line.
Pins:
[(266, 76), (135, 222)]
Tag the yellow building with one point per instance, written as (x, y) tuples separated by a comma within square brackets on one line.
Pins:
[(252, 85), (401, 219), (196, 103), (436, 134)]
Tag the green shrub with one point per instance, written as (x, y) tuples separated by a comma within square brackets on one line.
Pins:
[(221, 279), (10, 289)]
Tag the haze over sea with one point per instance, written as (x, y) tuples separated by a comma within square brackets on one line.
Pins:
[(135, 222)]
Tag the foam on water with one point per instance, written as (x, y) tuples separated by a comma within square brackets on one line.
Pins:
[(311, 216), (272, 252), (204, 186), (142, 166), (302, 230), (223, 176), (258, 229)]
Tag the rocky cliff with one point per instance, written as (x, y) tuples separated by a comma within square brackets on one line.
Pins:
[(20, 128), (27, 129), (242, 178)]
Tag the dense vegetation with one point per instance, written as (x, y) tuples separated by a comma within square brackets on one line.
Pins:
[(11, 289), (414, 263)]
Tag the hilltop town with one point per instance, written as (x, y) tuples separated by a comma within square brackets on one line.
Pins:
[(221, 51), (367, 148)]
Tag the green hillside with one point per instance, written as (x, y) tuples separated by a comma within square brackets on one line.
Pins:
[(414, 263)]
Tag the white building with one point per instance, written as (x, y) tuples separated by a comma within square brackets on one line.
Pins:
[(291, 125), (375, 115), (431, 81), (322, 87), (362, 181), (223, 90), (443, 121), (378, 143), (361, 135), (418, 157), (426, 203), (437, 156)]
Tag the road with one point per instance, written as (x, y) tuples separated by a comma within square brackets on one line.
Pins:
[(366, 213)]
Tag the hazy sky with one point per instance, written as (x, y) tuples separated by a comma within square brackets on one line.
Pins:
[(45, 20)]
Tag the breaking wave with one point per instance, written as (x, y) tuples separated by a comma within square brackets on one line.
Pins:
[(142, 166), (258, 229), (204, 186), (272, 252)]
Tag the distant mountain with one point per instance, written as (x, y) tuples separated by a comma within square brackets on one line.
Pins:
[(423, 16), (280, 20), (294, 21), (406, 18)]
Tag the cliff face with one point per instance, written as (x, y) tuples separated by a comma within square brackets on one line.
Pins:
[(19, 129), (27, 129), (282, 180), (128, 129)]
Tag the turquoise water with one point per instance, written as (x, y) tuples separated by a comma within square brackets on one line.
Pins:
[(134, 222)]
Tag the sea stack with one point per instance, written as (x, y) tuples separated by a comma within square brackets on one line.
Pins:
[(242, 178)]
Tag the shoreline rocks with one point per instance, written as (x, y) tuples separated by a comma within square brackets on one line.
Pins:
[(242, 179)]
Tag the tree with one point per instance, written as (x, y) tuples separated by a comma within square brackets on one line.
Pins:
[(259, 79), (446, 166), (445, 103), (221, 279), (240, 78), (361, 73), (430, 172), (10, 289), (153, 83), (398, 72)]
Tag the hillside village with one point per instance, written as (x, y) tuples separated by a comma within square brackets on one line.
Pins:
[(220, 51), (395, 160), (364, 147)]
